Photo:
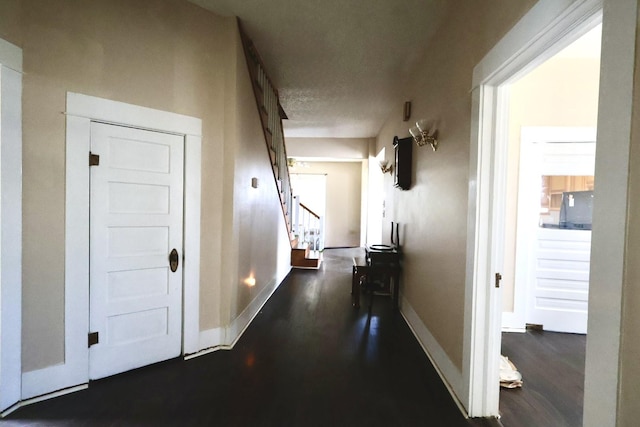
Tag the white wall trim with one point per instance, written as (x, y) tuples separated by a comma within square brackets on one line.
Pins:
[(43, 398), (240, 324), (49, 381), (225, 338), (210, 340), (544, 30), (81, 110), (609, 236), (191, 268), (10, 224), (10, 56), (450, 375), (105, 110)]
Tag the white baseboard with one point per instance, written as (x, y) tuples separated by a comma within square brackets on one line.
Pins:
[(10, 409), (37, 385), (47, 381), (224, 338), (451, 376), (240, 323), (42, 398), (211, 338), (512, 321), (520, 330)]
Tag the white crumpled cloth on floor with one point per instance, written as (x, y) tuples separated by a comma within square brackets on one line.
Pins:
[(509, 375)]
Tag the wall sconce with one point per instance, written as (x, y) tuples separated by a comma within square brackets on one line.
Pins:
[(385, 166), (422, 135)]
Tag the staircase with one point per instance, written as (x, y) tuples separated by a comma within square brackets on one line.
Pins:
[(305, 253), (308, 227)]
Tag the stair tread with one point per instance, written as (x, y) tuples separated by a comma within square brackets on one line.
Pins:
[(301, 246), (314, 255)]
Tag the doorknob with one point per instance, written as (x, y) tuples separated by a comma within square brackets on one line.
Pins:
[(173, 260)]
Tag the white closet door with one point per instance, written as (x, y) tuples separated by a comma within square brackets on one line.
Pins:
[(136, 222)]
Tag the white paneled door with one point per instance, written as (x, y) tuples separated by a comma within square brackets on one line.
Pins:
[(136, 222), (559, 292), (552, 262)]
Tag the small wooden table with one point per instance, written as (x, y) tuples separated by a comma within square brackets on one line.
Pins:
[(360, 270), (375, 267)]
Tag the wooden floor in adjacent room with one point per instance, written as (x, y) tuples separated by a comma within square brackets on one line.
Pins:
[(308, 359), (552, 368)]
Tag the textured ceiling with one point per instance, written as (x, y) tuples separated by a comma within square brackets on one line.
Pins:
[(338, 64)]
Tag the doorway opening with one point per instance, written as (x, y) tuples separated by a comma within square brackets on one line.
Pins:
[(376, 203), (543, 32), (552, 119), (311, 188), (335, 187), (309, 212)]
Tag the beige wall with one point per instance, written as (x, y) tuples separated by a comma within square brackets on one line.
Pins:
[(433, 213), (343, 209), (560, 92), (254, 241), (164, 54)]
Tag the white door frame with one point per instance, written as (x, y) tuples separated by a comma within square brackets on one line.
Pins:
[(548, 27), (10, 225), (81, 111)]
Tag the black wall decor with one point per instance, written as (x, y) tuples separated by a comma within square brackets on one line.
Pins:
[(402, 171)]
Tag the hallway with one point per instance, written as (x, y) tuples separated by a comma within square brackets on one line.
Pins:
[(308, 359)]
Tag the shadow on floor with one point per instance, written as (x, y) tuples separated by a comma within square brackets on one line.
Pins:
[(308, 359)]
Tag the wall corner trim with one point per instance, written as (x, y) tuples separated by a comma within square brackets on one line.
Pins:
[(10, 225)]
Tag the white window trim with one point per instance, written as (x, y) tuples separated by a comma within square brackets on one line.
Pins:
[(10, 225), (81, 111)]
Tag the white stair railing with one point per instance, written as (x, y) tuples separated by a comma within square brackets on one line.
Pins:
[(271, 115), (308, 226)]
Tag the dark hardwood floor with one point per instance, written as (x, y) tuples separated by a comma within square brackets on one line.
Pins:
[(308, 359), (552, 368)]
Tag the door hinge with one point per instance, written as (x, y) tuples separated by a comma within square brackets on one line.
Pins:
[(498, 279), (94, 159), (93, 338)]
